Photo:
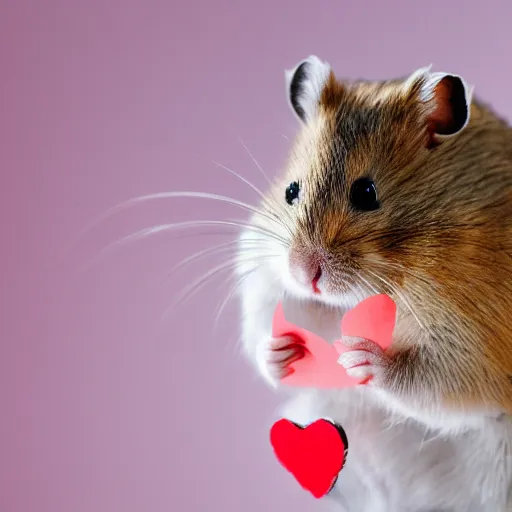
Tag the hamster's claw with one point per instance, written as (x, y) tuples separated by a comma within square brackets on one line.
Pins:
[(364, 362), (279, 355)]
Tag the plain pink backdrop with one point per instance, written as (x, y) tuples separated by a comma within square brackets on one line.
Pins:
[(105, 406)]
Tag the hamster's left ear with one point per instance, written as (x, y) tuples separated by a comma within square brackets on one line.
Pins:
[(304, 86), (448, 100)]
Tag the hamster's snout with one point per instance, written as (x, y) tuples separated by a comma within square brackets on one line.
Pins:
[(306, 268)]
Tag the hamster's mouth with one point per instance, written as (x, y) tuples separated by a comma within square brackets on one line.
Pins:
[(321, 288), (314, 282)]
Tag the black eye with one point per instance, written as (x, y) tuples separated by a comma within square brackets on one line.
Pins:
[(363, 195), (292, 192)]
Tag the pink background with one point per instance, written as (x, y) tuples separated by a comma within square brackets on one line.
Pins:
[(105, 407)]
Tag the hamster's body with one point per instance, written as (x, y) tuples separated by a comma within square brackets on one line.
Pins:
[(397, 465), (404, 188)]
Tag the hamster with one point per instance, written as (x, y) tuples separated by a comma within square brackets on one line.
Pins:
[(400, 187)]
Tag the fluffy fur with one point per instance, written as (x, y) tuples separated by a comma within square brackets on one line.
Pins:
[(431, 431)]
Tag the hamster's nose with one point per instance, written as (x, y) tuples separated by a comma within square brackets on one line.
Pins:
[(306, 268)]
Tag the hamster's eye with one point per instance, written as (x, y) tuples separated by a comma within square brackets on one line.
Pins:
[(292, 192), (363, 195)]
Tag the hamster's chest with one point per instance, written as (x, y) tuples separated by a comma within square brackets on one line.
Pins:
[(322, 320)]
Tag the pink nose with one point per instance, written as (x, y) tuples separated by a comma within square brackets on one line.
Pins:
[(306, 268)]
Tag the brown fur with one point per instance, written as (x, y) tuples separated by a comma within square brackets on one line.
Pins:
[(442, 237)]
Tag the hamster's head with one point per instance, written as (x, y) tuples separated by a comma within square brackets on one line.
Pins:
[(368, 191)]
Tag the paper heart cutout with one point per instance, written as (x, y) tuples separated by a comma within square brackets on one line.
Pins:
[(319, 367), (373, 319), (314, 454)]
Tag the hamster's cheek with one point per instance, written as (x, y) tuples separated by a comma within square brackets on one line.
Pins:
[(294, 288)]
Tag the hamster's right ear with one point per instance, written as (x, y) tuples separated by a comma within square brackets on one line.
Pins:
[(448, 97), (304, 86)]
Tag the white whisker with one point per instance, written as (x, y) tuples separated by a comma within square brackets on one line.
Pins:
[(218, 249), (367, 283), (194, 287), (230, 294), (175, 195), (400, 295), (246, 181), (255, 162), (143, 233)]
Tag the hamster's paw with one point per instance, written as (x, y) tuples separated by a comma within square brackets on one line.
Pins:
[(364, 361), (277, 355)]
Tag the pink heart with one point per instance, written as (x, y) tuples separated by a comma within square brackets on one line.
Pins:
[(319, 367), (372, 319)]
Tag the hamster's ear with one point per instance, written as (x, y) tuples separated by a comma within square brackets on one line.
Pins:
[(304, 86), (448, 98)]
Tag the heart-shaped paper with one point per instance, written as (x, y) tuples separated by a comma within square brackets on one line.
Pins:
[(314, 454), (372, 319), (319, 367)]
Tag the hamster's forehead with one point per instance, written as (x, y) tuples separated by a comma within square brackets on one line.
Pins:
[(355, 126)]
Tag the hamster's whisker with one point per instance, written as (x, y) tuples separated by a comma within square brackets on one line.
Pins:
[(231, 292), (269, 213), (268, 204), (145, 232), (253, 243), (229, 265), (414, 287), (255, 162), (397, 266), (367, 283), (175, 195), (396, 290), (162, 228), (283, 214), (245, 180), (214, 197)]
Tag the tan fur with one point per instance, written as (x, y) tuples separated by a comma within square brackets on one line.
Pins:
[(442, 239)]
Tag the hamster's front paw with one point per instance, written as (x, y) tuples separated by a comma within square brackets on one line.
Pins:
[(364, 361), (277, 356)]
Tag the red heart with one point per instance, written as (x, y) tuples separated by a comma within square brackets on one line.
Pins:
[(314, 454)]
